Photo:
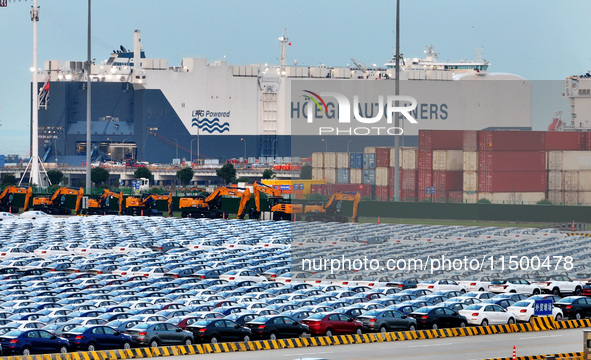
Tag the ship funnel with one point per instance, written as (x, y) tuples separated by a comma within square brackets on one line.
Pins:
[(137, 51)]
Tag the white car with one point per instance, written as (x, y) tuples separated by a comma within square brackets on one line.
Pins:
[(128, 248), (243, 275), (441, 285), (524, 311), (487, 314), (476, 283), (51, 250), (15, 252), (513, 285), (7, 216), (92, 249), (559, 285), (33, 214), (126, 270), (151, 272)]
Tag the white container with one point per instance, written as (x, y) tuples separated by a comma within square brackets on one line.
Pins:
[(585, 197), (470, 160), (330, 160), (382, 176), (470, 181), (556, 197), (470, 197), (448, 160), (409, 158), (369, 150), (317, 173), (343, 160), (571, 197), (356, 176), (330, 175), (569, 160), (513, 197), (317, 160), (555, 180)]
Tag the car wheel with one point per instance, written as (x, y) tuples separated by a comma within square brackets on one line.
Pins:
[(304, 333), (511, 321), (412, 327), (558, 317), (463, 324), (126, 345), (578, 316), (328, 332), (536, 292), (26, 351), (383, 329), (435, 326), (512, 291), (246, 338), (481, 289), (91, 347), (273, 336), (556, 291), (577, 291), (359, 331), (463, 291), (484, 322), (188, 342), (63, 350), (154, 343), (214, 340)]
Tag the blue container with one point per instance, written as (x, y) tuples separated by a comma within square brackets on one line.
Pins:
[(369, 161), (2, 161), (356, 160), (369, 176), (343, 176)]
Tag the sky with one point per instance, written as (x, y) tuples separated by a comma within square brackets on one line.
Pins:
[(536, 39)]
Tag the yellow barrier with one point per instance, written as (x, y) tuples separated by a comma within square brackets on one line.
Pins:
[(562, 356)]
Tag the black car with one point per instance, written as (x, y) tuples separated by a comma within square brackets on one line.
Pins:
[(97, 337), (436, 317), (242, 317), (276, 326), (405, 284), (575, 307), (32, 341), (214, 331), (386, 320)]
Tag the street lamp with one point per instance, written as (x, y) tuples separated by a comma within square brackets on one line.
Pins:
[(243, 139), (275, 152), (192, 151), (326, 145), (348, 144), (177, 148)]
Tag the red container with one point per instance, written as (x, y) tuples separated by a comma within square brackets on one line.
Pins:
[(448, 180), (382, 193), (409, 179), (425, 180), (566, 140), (366, 190), (440, 196), (455, 196), (512, 161), (587, 140), (408, 195), (441, 139), (470, 140), (317, 189), (512, 181), (382, 157), (425, 159), (511, 140)]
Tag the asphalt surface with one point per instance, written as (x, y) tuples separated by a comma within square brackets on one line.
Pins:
[(459, 348)]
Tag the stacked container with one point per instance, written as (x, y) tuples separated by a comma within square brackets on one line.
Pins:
[(569, 177)]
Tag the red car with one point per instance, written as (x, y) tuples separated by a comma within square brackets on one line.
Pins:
[(330, 324)]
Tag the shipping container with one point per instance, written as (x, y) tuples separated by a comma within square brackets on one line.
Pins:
[(317, 189), (470, 160), (470, 179), (511, 160), (364, 190), (571, 198), (343, 160), (565, 140), (356, 176), (330, 160), (449, 160), (556, 197), (511, 141), (330, 175), (440, 196), (584, 198), (470, 140), (317, 160), (555, 180), (470, 197), (410, 159), (425, 180), (425, 159), (512, 181), (455, 196), (569, 160), (407, 181), (343, 176), (382, 157), (441, 139), (317, 173), (369, 160), (525, 198), (369, 176), (382, 193), (356, 160), (382, 178), (448, 180), (587, 140), (369, 150), (576, 181)]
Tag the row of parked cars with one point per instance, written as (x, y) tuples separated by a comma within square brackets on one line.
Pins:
[(116, 282)]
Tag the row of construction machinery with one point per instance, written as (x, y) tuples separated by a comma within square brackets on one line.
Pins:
[(199, 206)]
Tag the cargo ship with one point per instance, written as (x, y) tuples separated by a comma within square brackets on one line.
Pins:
[(145, 109)]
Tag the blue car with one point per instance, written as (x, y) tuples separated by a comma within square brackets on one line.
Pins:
[(97, 337), (34, 341)]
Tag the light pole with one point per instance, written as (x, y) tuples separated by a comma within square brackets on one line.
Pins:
[(275, 152), (348, 144), (88, 104), (326, 145), (243, 139), (177, 148), (192, 151)]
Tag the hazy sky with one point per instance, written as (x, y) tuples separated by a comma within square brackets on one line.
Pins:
[(537, 39)]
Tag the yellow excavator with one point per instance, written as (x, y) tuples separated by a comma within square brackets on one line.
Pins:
[(101, 206), (281, 208), (331, 211), (7, 197), (146, 205), (199, 207), (55, 204)]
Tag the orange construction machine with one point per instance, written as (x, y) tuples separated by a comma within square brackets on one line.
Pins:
[(101, 205), (331, 211), (146, 205), (55, 204), (7, 197), (208, 207), (281, 208)]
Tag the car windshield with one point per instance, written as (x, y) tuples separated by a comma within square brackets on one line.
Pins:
[(522, 304), (473, 307), (567, 301), (14, 333), (543, 278), (318, 316), (498, 282), (202, 322), (78, 330), (261, 319), (142, 326), (423, 310), (372, 313)]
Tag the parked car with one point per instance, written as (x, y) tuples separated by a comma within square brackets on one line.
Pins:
[(97, 337), (575, 307), (156, 334), (385, 320), (217, 330), (487, 314), (558, 285), (36, 341), (435, 317), (513, 285), (524, 311), (330, 324), (276, 326)]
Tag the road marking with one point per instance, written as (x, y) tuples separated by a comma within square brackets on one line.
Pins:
[(310, 353), (538, 337), (413, 346)]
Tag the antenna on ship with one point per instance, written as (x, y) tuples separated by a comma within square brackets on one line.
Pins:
[(283, 40)]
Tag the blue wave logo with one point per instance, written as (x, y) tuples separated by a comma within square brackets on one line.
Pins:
[(210, 126)]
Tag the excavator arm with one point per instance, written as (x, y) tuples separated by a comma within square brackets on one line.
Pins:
[(331, 212), (5, 199)]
